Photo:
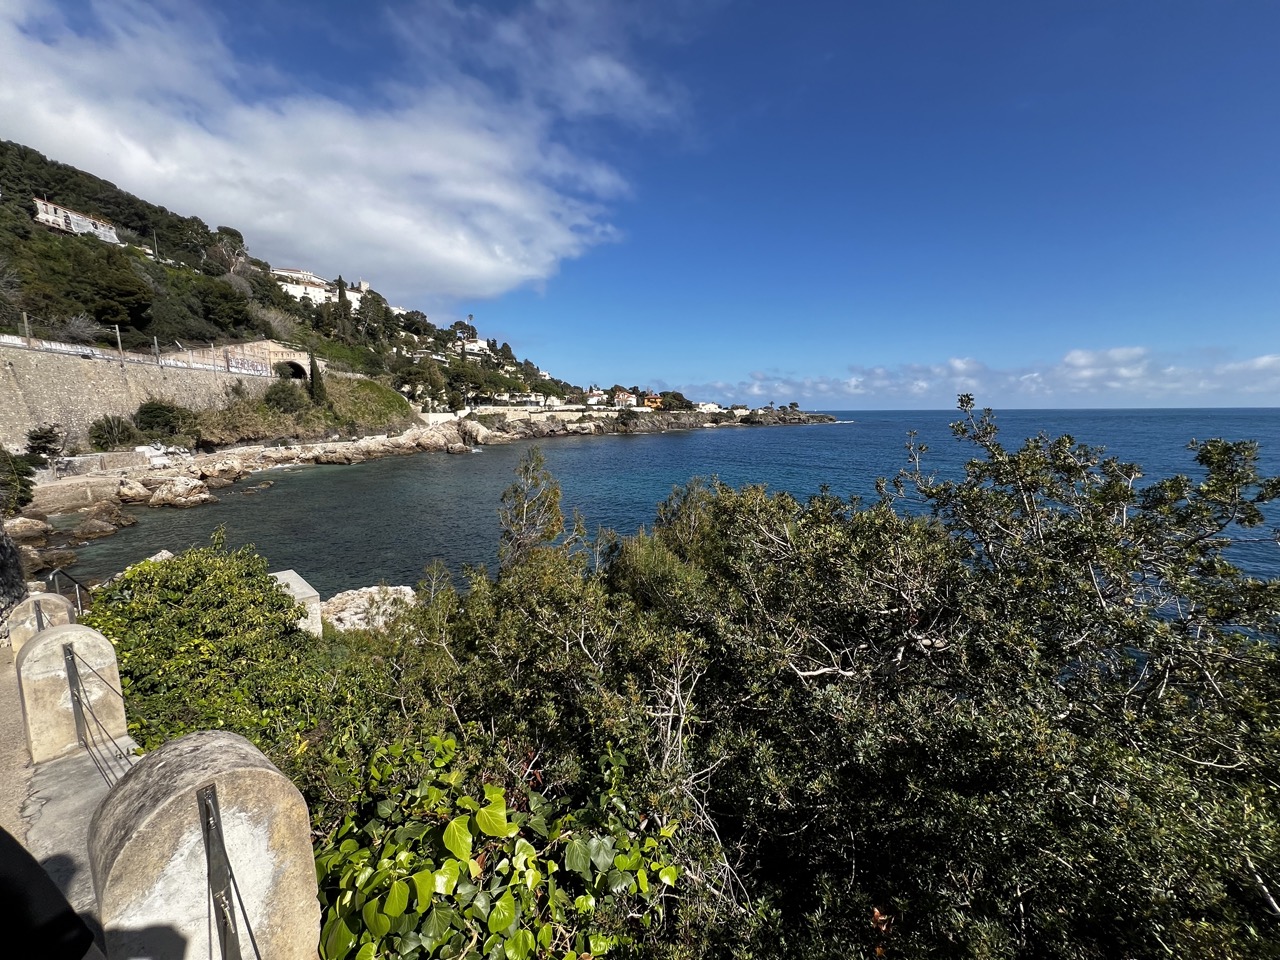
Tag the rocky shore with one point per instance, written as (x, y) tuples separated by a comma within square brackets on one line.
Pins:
[(189, 480)]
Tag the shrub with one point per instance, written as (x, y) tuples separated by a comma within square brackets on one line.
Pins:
[(205, 640), (423, 869), (45, 442), (285, 396), (113, 432), (15, 483), (160, 419)]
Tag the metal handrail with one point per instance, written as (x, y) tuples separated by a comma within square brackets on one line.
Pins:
[(78, 584)]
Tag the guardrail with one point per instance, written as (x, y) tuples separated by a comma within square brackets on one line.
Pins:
[(230, 363)]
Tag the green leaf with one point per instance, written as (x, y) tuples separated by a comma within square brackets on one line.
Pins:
[(617, 881), (367, 952), (642, 880), (601, 852), (668, 875), (447, 877), (519, 946), (523, 853), (457, 837), (492, 820), (503, 913), (336, 938), (424, 885), (577, 857), (544, 936), (375, 921), (397, 899), (439, 923)]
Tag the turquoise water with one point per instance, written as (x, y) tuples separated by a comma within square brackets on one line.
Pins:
[(349, 526)]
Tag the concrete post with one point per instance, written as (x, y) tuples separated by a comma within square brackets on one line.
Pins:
[(305, 594), (162, 866), (38, 612), (54, 727)]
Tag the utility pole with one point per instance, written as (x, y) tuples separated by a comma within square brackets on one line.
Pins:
[(119, 345), (26, 327), (155, 244), (155, 348)]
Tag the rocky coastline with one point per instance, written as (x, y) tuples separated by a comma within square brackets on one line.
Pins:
[(183, 480)]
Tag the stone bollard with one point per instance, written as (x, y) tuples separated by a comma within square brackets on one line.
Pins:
[(38, 611), (305, 594), (173, 832), (47, 672)]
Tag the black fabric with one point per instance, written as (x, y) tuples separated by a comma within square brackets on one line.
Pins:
[(33, 911)]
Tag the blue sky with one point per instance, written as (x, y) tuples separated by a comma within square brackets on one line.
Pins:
[(853, 205)]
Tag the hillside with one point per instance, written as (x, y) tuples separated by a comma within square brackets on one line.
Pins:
[(173, 279)]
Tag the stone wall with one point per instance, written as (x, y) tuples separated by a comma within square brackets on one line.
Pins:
[(44, 387)]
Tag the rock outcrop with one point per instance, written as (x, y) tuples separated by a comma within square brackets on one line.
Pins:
[(182, 492), (366, 608), (132, 491), (108, 511), (23, 531)]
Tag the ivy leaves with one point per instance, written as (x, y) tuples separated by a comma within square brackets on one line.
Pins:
[(433, 872)]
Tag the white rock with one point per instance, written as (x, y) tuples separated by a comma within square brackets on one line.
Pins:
[(367, 607), (22, 530), (131, 491), (182, 492)]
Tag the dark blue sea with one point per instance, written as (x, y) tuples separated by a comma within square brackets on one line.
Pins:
[(383, 522)]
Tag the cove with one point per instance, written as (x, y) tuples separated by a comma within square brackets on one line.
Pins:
[(383, 521)]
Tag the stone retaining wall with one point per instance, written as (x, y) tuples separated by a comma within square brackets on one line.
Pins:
[(43, 387)]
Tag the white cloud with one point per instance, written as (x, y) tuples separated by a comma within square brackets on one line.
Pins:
[(1120, 376), (449, 185)]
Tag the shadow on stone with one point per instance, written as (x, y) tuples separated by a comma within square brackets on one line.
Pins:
[(148, 943)]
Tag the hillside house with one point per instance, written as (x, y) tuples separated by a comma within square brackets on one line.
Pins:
[(71, 221), (303, 283), (474, 349)]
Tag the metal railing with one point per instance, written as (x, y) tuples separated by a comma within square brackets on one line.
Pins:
[(79, 589), (110, 761), (221, 879)]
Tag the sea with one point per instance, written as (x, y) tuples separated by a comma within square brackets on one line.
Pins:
[(384, 521)]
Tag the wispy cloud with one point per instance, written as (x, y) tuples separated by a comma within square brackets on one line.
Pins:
[(467, 178), (1117, 376)]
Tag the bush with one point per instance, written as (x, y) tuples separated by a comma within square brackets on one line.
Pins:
[(205, 640), (45, 442), (421, 868), (285, 396), (15, 483), (160, 419), (113, 432)]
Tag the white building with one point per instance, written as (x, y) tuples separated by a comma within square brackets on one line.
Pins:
[(62, 218), (304, 283), (471, 348)]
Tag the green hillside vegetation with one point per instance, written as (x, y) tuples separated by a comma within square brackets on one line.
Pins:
[(207, 288), (1032, 712), (350, 407)]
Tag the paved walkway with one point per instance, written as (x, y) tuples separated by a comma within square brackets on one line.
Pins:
[(15, 762)]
